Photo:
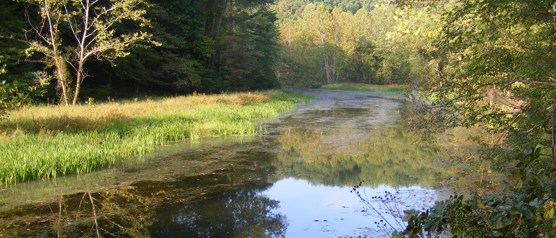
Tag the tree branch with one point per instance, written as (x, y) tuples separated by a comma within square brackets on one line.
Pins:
[(71, 24)]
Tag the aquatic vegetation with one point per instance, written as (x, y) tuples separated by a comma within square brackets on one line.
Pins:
[(48, 141)]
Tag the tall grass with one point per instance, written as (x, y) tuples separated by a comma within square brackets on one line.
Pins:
[(48, 141)]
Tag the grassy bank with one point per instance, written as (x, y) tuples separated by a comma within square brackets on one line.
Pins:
[(48, 141), (366, 87)]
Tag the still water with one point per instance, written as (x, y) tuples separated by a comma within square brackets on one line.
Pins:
[(296, 180)]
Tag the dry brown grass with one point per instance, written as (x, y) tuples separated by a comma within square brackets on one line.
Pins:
[(54, 119)]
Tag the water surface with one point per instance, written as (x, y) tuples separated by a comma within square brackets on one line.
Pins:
[(294, 181)]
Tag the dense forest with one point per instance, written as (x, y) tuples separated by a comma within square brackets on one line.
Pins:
[(210, 46), (188, 46), (473, 63)]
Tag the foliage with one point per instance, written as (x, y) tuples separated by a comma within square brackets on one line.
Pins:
[(12, 96), (496, 65), (321, 41), (92, 25), (495, 68), (17, 84), (524, 209), (207, 46), (46, 141), (381, 44)]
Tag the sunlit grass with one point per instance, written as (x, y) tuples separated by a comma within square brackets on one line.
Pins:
[(366, 87), (48, 141)]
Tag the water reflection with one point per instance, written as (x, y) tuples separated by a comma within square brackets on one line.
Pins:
[(342, 146), (383, 156), (225, 203), (239, 213), (293, 182), (331, 211)]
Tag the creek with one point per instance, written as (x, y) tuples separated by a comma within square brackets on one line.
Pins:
[(295, 180)]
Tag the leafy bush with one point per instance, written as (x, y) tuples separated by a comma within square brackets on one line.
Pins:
[(524, 209), (11, 97)]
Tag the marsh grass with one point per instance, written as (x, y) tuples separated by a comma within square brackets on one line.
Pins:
[(48, 141), (366, 87)]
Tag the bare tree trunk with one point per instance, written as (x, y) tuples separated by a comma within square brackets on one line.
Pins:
[(79, 81), (326, 63), (82, 57), (58, 60), (326, 67), (334, 76)]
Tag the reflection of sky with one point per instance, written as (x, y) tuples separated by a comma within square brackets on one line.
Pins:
[(325, 211)]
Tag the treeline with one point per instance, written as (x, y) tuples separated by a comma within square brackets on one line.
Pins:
[(194, 46), (375, 42), (180, 47)]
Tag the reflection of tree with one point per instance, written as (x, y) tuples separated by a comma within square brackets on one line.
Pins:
[(114, 213), (233, 213), (387, 155), (226, 202)]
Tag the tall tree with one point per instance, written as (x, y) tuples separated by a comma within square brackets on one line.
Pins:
[(245, 44), (92, 25), (17, 82), (177, 66)]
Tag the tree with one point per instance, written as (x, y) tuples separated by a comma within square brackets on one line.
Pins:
[(17, 83), (498, 64), (92, 25), (177, 65), (245, 44), (497, 69)]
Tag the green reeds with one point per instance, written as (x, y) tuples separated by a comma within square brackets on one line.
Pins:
[(48, 141)]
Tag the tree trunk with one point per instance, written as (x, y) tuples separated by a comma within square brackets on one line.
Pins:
[(78, 82), (334, 74), (82, 57), (62, 79), (326, 68), (58, 61)]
